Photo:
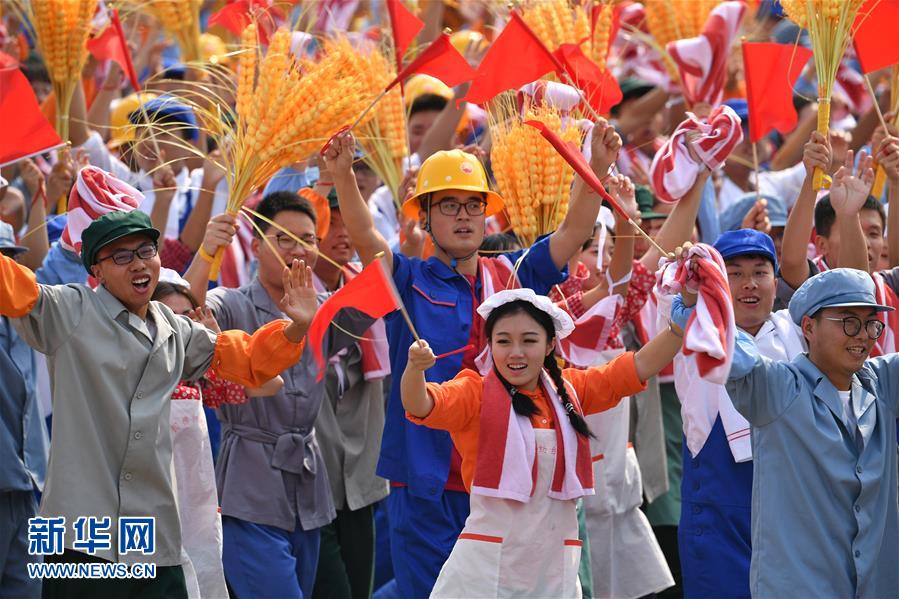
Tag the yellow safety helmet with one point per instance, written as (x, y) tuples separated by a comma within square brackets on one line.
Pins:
[(418, 85), (121, 129), (462, 39), (451, 169), (213, 49)]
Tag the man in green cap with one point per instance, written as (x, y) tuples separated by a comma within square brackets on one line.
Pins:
[(114, 358)]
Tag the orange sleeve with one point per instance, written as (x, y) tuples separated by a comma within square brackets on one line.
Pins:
[(456, 403), (251, 360), (19, 290), (601, 387)]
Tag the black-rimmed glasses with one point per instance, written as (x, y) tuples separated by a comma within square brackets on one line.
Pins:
[(123, 257), (287, 243), (453, 207), (852, 325)]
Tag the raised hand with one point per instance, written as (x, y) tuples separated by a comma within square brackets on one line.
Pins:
[(888, 157), (204, 316), (219, 232), (604, 147), (420, 356), (757, 217), (61, 178), (299, 302), (339, 154), (850, 189), (816, 154)]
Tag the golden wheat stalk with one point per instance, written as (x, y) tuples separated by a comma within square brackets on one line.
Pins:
[(534, 180), (830, 27)]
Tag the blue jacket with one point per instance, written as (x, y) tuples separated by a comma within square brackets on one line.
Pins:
[(439, 301), (825, 518)]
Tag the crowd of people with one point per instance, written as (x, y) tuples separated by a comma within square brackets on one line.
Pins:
[(687, 398)]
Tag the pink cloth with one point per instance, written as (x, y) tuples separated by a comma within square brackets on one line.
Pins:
[(674, 171), (711, 329), (506, 466), (702, 61), (94, 194)]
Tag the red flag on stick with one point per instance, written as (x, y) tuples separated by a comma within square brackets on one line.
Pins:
[(112, 45), (876, 42), (235, 16), (26, 131), (516, 57), (771, 71), (440, 60), (370, 293), (599, 86), (405, 26), (573, 156)]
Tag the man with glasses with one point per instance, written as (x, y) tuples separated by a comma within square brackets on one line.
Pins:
[(825, 518), (428, 505), (272, 480), (115, 357)]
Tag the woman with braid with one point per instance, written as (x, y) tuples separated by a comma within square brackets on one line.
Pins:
[(524, 444)]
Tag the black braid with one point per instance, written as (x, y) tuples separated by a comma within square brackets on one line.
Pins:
[(521, 403), (555, 373)]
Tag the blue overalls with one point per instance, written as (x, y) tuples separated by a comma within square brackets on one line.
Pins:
[(715, 530), (425, 518)]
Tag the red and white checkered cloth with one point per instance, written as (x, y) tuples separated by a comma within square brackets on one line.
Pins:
[(674, 170), (94, 194), (702, 61), (711, 329)]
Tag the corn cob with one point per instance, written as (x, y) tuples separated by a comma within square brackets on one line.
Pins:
[(599, 48)]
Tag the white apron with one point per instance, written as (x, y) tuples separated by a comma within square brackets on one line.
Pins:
[(625, 557), (514, 549), (201, 523)]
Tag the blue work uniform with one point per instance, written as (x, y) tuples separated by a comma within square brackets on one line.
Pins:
[(425, 519), (825, 518)]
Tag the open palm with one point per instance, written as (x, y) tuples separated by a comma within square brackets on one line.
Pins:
[(299, 302)]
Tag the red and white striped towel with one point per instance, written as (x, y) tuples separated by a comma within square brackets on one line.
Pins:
[(507, 448), (583, 347), (702, 61), (673, 171), (94, 194), (711, 329)]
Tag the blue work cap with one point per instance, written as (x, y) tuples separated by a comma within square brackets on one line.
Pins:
[(732, 217), (837, 288), (746, 242), (168, 107)]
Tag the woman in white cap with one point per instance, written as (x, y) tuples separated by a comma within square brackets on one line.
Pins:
[(524, 445)]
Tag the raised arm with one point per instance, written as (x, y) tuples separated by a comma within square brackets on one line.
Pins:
[(219, 232), (888, 158), (413, 392), (353, 209), (35, 239), (195, 227), (623, 256), (793, 265), (679, 225), (847, 196), (577, 227), (98, 115)]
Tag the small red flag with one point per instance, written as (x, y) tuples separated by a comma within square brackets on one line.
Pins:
[(516, 57), (599, 86), (771, 71), (405, 26), (440, 60), (876, 41), (573, 156), (235, 16), (371, 292), (112, 45), (26, 131)]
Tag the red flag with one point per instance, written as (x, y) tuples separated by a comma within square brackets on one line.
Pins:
[(440, 60), (371, 292), (112, 45), (599, 86), (516, 57), (26, 131), (771, 71), (235, 16), (572, 155), (876, 41), (405, 26)]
